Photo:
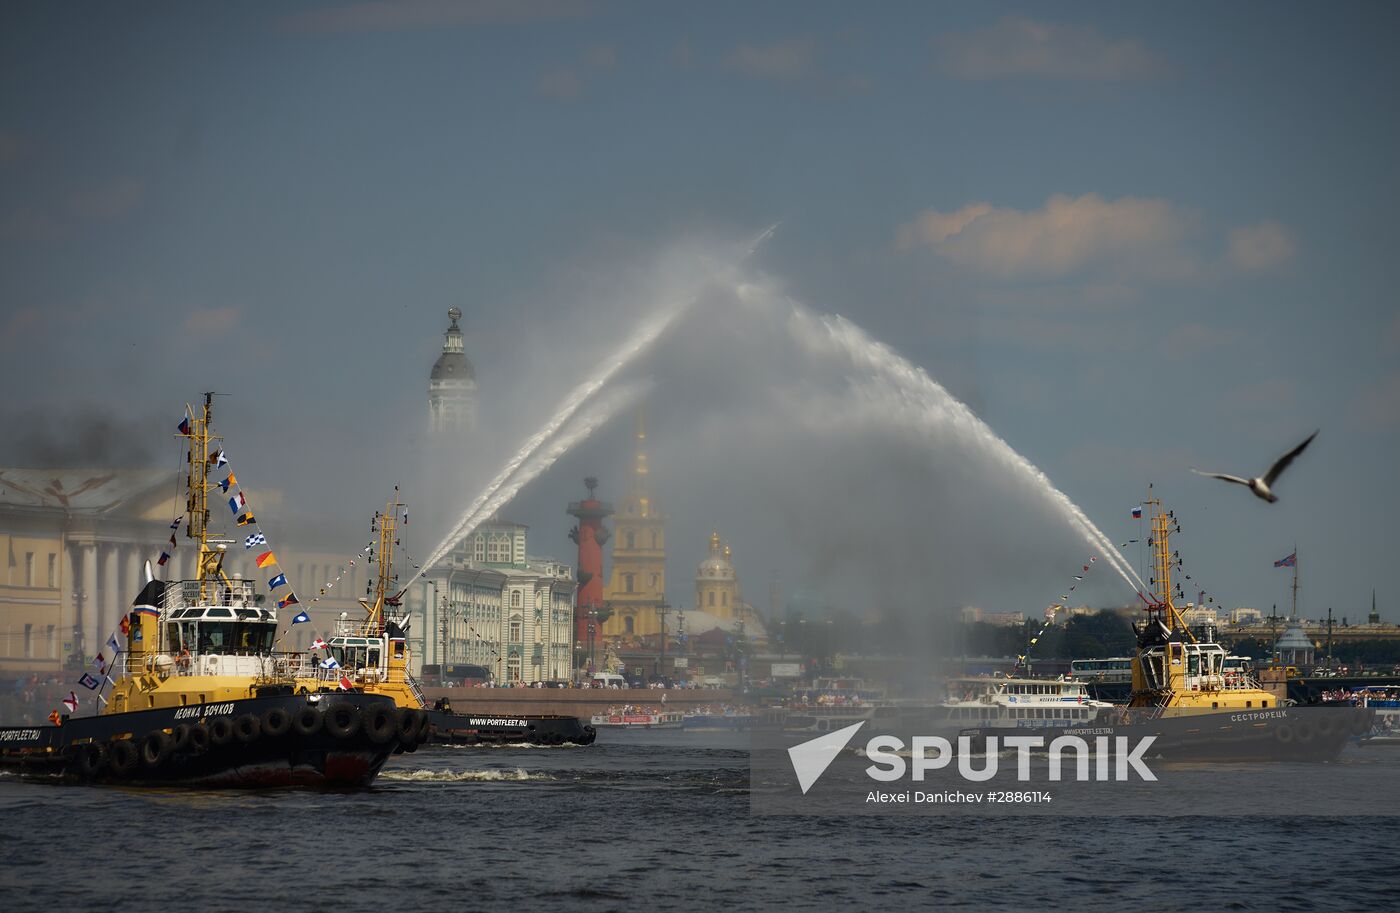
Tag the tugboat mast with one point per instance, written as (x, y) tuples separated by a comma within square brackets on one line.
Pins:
[(209, 569), (1162, 527), (387, 522)]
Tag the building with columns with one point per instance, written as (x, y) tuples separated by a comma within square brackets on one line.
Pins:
[(452, 384), (75, 544)]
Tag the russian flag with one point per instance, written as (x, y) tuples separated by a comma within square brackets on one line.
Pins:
[(1137, 513), (185, 425)]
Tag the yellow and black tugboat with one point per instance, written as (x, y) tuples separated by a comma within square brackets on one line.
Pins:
[(199, 697), (373, 655), (1201, 708)]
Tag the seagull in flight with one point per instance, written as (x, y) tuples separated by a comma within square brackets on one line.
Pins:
[(1262, 486)]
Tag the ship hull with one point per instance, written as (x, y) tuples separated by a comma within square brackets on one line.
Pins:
[(324, 740), (1307, 734), (448, 728)]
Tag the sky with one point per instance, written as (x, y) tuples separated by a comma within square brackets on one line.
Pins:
[(1132, 238)]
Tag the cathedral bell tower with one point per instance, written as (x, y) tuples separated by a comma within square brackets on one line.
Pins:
[(637, 586)]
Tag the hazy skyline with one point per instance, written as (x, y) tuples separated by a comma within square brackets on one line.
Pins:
[(1133, 238)]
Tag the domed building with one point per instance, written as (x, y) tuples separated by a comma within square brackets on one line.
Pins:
[(452, 384), (1294, 648), (716, 584)]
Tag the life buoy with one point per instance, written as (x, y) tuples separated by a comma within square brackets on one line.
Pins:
[(343, 721), (380, 724), (307, 722), (155, 748), (276, 723), (198, 740), (122, 757), (247, 728), (221, 731), (91, 758)]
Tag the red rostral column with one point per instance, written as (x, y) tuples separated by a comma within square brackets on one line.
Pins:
[(589, 534)]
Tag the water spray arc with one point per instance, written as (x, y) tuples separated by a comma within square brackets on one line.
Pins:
[(636, 345), (827, 335)]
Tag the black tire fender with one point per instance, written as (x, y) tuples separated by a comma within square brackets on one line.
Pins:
[(91, 759), (380, 724), (307, 721), (122, 757), (155, 748), (408, 724), (198, 741), (276, 723), (247, 728), (221, 731), (343, 721)]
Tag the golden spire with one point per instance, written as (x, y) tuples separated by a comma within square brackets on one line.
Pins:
[(714, 543)]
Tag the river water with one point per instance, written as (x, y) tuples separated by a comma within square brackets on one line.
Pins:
[(644, 821)]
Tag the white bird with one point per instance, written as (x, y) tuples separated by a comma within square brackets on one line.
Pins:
[(1262, 486)]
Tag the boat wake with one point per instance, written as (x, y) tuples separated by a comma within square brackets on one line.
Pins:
[(459, 776)]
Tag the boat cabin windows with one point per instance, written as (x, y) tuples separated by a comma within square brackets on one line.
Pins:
[(358, 652), (213, 630)]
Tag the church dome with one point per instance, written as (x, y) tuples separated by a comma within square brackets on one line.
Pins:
[(453, 363), (453, 366), (717, 565)]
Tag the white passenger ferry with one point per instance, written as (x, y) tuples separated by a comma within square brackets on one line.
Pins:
[(996, 703)]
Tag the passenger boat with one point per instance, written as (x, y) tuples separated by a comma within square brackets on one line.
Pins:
[(197, 697), (993, 704), (1183, 696), (833, 703), (373, 654), (729, 721), (630, 718)]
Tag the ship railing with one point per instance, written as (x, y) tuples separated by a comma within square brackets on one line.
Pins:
[(235, 593)]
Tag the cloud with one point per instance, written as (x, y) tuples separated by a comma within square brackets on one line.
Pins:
[(211, 321), (1019, 46), (104, 202), (403, 15), (21, 325), (791, 60), (1066, 236), (11, 148), (1378, 407), (1194, 339), (567, 83), (562, 84), (89, 205), (1272, 396), (1256, 248)]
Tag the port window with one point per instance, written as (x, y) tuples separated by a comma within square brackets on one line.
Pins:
[(1263, 703), (1214, 704), (1249, 703)]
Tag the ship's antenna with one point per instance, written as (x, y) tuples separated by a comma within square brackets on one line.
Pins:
[(209, 569)]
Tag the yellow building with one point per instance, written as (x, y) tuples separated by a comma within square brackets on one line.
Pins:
[(73, 545), (716, 584), (637, 586)]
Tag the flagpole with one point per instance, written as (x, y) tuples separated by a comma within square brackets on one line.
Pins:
[(1295, 581)]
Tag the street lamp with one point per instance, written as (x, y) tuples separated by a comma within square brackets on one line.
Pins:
[(662, 608)]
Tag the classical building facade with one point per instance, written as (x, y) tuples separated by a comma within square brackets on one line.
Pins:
[(75, 543), (452, 384), (491, 604), (636, 587)]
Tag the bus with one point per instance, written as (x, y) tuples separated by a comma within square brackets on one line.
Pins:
[(458, 674)]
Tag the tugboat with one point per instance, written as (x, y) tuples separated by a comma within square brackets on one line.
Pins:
[(199, 697), (374, 655), (1184, 694)]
